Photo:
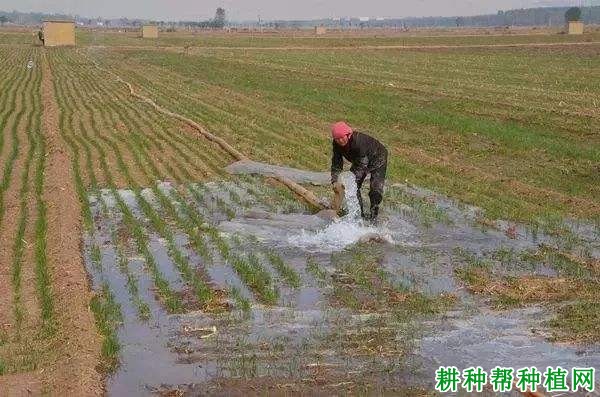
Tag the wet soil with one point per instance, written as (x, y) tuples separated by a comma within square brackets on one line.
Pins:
[(385, 306)]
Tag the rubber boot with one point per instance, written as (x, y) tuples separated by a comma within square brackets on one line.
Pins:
[(362, 207), (374, 214), (375, 198)]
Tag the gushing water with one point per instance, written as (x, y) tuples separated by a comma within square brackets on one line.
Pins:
[(343, 231), (350, 197)]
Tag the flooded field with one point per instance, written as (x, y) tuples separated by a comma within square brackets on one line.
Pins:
[(275, 298), (148, 245)]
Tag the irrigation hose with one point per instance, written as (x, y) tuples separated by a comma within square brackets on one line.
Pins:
[(298, 189)]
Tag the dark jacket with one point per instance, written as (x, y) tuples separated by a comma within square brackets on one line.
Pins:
[(363, 151)]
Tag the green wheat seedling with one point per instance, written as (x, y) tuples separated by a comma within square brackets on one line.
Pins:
[(9, 99), (256, 277), (10, 161), (86, 212), (241, 302), (142, 307), (202, 292), (19, 239), (160, 140), (11, 96), (314, 268), (178, 144), (96, 257), (213, 233), (225, 208), (428, 212), (287, 273), (66, 123), (432, 127), (235, 197), (183, 217), (171, 300), (222, 206), (194, 223), (108, 318), (212, 116), (43, 282), (181, 262), (250, 184), (184, 222)]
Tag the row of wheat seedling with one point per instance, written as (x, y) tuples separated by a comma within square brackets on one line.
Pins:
[(250, 270), (134, 144), (241, 118), (27, 143), (202, 292), (30, 111), (107, 313), (186, 218)]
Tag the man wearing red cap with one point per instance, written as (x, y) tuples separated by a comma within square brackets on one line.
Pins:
[(367, 155)]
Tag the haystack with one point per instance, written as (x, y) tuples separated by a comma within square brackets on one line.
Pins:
[(58, 33)]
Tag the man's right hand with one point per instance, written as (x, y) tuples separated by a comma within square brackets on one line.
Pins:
[(338, 197)]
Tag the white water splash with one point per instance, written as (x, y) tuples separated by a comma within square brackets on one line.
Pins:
[(344, 231), (350, 198)]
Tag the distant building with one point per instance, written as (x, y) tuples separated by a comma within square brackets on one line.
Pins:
[(320, 30), (58, 33), (150, 32), (575, 27)]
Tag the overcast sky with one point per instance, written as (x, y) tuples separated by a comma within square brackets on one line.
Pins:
[(274, 9)]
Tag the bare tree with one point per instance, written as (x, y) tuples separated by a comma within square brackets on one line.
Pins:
[(220, 17)]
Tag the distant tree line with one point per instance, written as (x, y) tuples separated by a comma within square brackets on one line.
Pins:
[(36, 18), (545, 16), (28, 18), (553, 16)]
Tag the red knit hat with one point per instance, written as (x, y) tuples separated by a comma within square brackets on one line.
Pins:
[(340, 130)]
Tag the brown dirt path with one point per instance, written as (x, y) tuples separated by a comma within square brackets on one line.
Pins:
[(20, 385), (74, 373)]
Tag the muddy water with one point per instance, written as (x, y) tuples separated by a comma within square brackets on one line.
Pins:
[(310, 232), (285, 340)]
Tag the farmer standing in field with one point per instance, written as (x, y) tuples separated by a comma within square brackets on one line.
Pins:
[(367, 155)]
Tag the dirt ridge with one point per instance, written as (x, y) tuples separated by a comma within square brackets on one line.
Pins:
[(75, 371)]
